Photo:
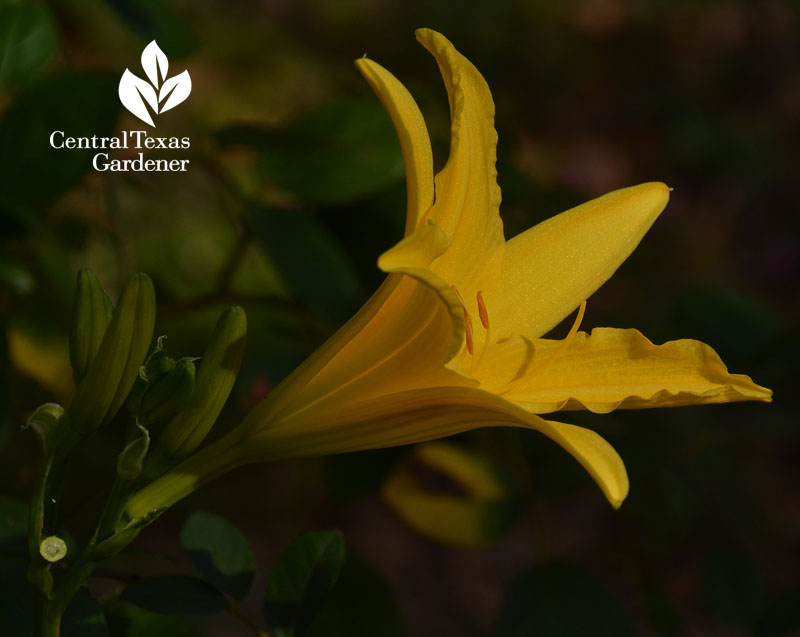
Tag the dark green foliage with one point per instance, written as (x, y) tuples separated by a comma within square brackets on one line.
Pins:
[(361, 605), (219, 552), (311, 262), (335, 154), (27, 39), (300, 581), (79, 103), (175, 595)]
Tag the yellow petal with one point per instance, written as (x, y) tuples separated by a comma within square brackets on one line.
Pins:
[(413, 256), (612, 369), (548, 270), (333, 426), (467, 195), (413, 134), (401, 339), (386, 421)]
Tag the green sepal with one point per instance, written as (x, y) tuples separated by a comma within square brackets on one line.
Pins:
[(129, 462), (45, 422)]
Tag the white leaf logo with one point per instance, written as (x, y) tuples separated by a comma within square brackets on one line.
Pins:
[(160, 94)]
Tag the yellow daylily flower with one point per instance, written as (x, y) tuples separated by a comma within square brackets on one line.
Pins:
[(452, 340)]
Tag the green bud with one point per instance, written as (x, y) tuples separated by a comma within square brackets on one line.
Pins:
[(116, 365), (169, 395), (158, 365), (91, 314), (215, 377)]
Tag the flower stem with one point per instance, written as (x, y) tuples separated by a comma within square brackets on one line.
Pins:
[(198, 469)]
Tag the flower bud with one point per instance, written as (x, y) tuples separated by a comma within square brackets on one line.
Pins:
[(215, 377), (115, 367), (91, 314)]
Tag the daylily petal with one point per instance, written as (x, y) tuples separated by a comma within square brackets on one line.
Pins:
[(548, 270), (396, 419), (612, 369), (426, 414), (467, 195), (411, 332), (413, 134), (413, 256)]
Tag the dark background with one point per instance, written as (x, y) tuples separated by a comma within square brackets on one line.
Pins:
[(296, 185)]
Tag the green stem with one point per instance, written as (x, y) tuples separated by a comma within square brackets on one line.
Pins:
[(198, 469), (47, 623), (48, 612), (115, 505), (38, 569)]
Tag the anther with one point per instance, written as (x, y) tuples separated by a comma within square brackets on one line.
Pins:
[(468, 332), (482, 311)]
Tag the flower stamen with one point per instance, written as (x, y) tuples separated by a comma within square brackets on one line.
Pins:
[(468, 333), (467, 322), (482, 311)]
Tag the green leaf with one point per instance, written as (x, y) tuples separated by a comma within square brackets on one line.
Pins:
[(175, 595), (81, 104), (220, 552), (128, 621), (13, 520), (311, 262), (27, 39), (361, 605), (341, 152), (300, 581), (560, 600)]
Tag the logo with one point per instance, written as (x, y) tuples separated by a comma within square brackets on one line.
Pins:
[(144, 99), (160, 94)]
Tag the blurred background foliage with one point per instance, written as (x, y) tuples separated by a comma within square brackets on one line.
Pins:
[(296, 185)]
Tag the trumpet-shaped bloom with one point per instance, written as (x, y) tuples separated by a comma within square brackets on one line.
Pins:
[(452, 340)]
